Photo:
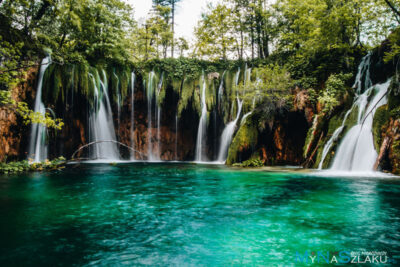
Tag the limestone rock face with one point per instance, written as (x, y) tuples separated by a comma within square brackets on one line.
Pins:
[(14, 134), (302, 102)]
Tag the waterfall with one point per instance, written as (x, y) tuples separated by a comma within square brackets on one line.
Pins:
[(333, 138), (237, 76), (221, 89), (357, 152), (150, 92), (133, 78), (101, 123), (363, 72), (119, 100), (201, 133), (247, 75), (158, 108), (227, 134), (38, 136)]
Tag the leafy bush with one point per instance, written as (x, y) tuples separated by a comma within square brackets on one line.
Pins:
[(27, 166), (334, 91)]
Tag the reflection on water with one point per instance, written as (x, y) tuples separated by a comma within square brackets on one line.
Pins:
[(183, 214)]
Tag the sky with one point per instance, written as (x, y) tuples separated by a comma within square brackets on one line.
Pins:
[(188, 13)]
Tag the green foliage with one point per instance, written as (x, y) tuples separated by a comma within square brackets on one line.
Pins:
[(394, 42), (30, 116), (334, 91), (315, 25), (214, 33), (312, 96), (74, 30), (26, 166), (253, 162), (271, 90), (10, 74)]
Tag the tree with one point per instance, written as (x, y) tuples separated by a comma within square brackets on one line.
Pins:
[(315, 25), (182, 45), (172, 4), (394, 7), (215, 33)]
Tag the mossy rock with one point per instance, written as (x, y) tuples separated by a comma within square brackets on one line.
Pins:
[(334, 123), (381, 118), (252, 162), (313, 133), (246, 138)]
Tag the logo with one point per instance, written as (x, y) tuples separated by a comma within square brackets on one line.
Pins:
[(344, 257)]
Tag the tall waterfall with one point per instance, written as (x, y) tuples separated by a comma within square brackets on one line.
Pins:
[(38, 136), (334, 138), (227, 134), (237, 76), (133, 79), (201, 133), (101, 123), (158, 108), (357, 152), (150, 92), (221, 89), (119, 100), (363, 80)]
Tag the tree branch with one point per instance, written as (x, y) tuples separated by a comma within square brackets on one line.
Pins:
[(392, 8)]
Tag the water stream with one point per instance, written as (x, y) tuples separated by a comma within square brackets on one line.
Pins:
[(201, 133), (101, 124), (357, 152), (133, 79), (38, 137), (227, 134)]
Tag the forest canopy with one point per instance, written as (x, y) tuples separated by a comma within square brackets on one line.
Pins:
[(98, 31)]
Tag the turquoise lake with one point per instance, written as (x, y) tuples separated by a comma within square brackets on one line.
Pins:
[(192, 215)]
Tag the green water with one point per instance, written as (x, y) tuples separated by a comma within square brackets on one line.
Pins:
[(188, 215)]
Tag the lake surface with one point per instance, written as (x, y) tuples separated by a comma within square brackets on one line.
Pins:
[(192, 215)]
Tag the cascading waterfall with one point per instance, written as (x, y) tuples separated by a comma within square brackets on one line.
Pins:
[(247, 75), (133, 79), (119, 100), (334, 138), (357, 152), (37, 144), (201, 133), (237, 76), (363, 71), (227, 134), (158, 108), (360, 102), (150, 92), (221, 89), (101, 124)]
